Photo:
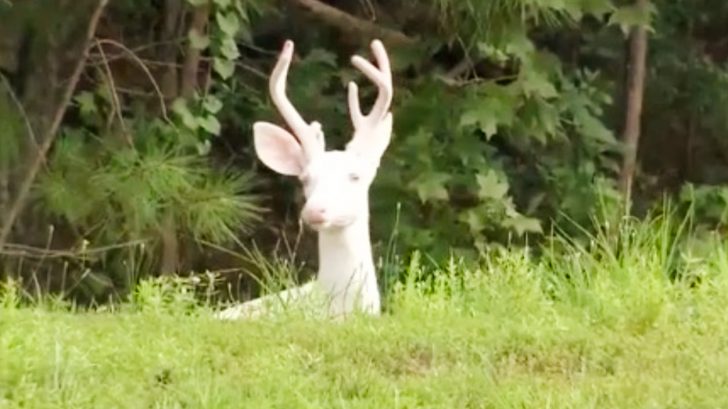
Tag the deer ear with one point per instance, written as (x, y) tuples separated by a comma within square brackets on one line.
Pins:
[(278, 149), (373, 145)]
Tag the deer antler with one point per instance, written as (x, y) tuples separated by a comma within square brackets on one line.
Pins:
[(379, 118), (310, 135)]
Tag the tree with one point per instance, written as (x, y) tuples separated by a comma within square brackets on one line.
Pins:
[(634, 99)]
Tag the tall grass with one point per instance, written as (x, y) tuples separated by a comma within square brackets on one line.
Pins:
[(632, 317)]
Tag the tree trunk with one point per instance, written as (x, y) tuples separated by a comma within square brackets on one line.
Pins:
[(172, 16), (184, 88), (173, 13), (635, 94), (191, 64)]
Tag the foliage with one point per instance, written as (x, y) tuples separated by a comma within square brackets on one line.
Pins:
[(529, 135), (115, 192), (119, 194), (709, 204), (519, 142), (686, 95), (231, 22)]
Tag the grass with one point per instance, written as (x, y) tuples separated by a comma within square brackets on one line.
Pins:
[(594, 325)]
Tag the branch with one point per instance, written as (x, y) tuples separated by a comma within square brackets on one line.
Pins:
[(21, 250), (353, 25), (144, 68), (50, 134), (116, 102), (21, 111)]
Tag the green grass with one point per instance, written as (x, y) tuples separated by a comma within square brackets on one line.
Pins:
[(598, 325)]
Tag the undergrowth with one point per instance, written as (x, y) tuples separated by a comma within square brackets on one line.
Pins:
[(631, 317)]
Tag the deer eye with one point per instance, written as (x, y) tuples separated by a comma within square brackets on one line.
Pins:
[(354, 177)]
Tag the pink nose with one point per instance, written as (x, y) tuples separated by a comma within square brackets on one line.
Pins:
[(314, 215)]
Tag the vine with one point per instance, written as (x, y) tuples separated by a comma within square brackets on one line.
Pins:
[(228, 21)]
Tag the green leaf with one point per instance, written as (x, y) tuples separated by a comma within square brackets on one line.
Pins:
[(492, 107), (212, 104), (210, 124), (486, 120), (204, 147), (223, 3), (593, 128), (245, 35), (518, 43), (86, 103), (197, 3), (321, 56), (402, 57), (474, 219), (229, 23), (229, 49), (538, 84), (179, 107), (632, 15), (242, 11), (431, 186), (103, 91), (597, 7), (493, 53), (522, 224), (198, 41), (224, 68), (490, 187)]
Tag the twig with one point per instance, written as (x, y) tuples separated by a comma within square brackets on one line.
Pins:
[(239, 64), (50, 134), (261, 50), (370, 8), (451, 77), (94, 58), (21, 109), (144, 68), (21, 250), (353, 25), (460, 68), (115, 96)]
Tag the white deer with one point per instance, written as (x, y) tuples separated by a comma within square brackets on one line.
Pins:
[(336, 186)]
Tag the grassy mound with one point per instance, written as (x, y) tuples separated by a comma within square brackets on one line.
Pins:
[(601, 324)]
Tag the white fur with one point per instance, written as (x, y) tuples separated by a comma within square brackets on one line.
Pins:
[(336, 185)]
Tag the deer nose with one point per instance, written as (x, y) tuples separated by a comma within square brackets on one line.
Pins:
[(314, 215)]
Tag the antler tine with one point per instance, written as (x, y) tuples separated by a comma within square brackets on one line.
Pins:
[(381, 76), (307, 134)]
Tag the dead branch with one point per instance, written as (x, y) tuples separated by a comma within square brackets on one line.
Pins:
[(144, 68), (21, 250), (50, 135), (354, 26), (21, 111), (116, 102)]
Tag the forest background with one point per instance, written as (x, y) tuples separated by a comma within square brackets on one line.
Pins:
[(126, 145)]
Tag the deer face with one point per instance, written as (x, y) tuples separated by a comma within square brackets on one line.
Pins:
[(336, 187), (335, 183)]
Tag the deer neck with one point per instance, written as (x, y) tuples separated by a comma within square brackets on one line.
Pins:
[(346, 268)]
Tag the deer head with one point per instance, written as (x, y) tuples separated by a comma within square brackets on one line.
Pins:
[(335, 183)]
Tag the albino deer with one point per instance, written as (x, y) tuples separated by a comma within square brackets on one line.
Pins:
[(336, 186)]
